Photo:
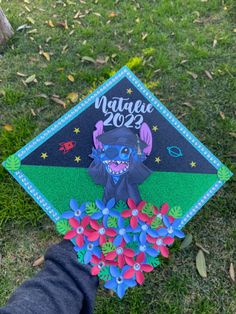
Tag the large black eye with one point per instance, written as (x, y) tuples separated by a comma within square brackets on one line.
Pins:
[(125, 150)]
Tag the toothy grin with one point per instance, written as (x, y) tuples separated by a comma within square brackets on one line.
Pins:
[(116, 167)]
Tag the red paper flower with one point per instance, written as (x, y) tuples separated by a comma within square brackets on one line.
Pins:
[(134, 212), (100, 232), (160, 244), (120, 252), (137, 268), (79, 230), (99, 264), (160, 213)]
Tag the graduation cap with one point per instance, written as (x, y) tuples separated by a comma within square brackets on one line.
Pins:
[(122, 136)]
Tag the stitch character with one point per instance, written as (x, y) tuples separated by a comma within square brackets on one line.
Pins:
[(118, 161)]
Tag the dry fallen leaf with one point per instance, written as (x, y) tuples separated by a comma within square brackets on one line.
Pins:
[(232, 272), (88, 59), (38, 261), (112, 14), (201, 264), (202, 248), (30, 19), (50, 23), (21, 74), (214, 43), (33, 112), (187, 241), (30, 79), (208, 74), (58, 101), (47, 83), (194, 75), (46, 55), (8, 127), (73, 97), (71, 78), (222, 115)]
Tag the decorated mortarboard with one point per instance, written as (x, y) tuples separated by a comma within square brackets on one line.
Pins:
[(120, 176)]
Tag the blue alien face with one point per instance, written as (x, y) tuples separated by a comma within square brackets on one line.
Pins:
[(116, 158)]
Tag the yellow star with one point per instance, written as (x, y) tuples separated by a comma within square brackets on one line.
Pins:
[(44, 155), (155, 128), (129, 91), (157, 159), (76, 130), (77, 159), (193, 164)]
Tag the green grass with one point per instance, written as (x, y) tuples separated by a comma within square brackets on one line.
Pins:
[(157, 36)]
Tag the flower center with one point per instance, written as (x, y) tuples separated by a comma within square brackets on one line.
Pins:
[(80, 230), (122, 231), (101, 264), (101, 231), (159, 216), (142, 248), (135, 212), (144, 227), (170, 229), (119, 250), (119, 280), (90, 246), (136, 266), (77, 213), (105, 211), (159, 242)]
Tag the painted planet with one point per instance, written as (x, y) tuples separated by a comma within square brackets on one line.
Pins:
[(174, 151)]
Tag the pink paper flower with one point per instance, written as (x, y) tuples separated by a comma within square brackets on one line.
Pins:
[(134, 212), (100, 232), (79, 230), (137, 268), (120, 252), (160, 244), (160, 213), (99, 263)]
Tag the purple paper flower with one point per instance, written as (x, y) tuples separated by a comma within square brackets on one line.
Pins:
[(91, 249), (105, 210), (122, 233), (118, 283), (76, 212), (171, 229)]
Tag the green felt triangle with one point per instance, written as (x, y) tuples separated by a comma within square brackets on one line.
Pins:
[(60, 184)]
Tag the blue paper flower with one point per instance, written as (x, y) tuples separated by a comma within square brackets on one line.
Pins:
[(76, 212), (105, 210), (171, 229), (146, 248), (122, 233), (91, 249), (118, 283)]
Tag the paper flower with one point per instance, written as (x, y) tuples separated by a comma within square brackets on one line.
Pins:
[(79, 230), (143, 229), (76, 212), (171, 229), (98, 263), (135, 212), (120, 253), (137, 267), (91, 248), (122, 232), (105, 210), (119, 283), (99, 232), (160, 243)]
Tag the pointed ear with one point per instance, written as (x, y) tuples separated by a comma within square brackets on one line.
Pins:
[(96, 133), (146, 136)]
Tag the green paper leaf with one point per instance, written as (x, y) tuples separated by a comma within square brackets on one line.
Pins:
[(156, 223), (175, 212), (104, 273), (91, 208), (63, 226), (80, 255), (201, 264), (112, 222), (120, 206), (153, 261), (148, 209), (223, 173), (132, 245), (13, 163), (186, 242), (108, 247)]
